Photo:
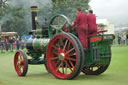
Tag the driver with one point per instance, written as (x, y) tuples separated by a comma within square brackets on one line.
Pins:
[(80, 25)]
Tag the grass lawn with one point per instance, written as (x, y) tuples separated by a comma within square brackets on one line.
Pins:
[(117, 73)]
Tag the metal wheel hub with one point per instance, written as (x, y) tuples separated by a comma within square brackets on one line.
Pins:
[(20, 63), (61, 56)]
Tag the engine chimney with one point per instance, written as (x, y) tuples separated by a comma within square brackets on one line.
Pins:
[(34, 10)]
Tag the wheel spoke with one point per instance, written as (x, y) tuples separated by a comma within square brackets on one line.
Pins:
[(55, 47), (71, 64), (74, 54), (55, 53), (58, 45), (72, 59), (58, 22), (61, 41), (65, 44), (21, 58), (68, 65), (62, 67), (54, 27), (69, 51), (87, 68), (91, 68), (54, 58), (57, 62), (59, 66), (63, 25), (66, 69), (69, 44), (20, 67)]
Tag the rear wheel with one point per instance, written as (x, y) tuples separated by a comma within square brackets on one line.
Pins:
[(20, 63), (63, 56), (95, 70), (81, 49)]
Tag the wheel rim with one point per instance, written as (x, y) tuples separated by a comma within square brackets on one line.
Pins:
[(19, 63), (91, 69), (94, 70), (98, 69), (62, 56), (46, 65)]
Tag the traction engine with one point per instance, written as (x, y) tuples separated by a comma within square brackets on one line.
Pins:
[(64, 55)]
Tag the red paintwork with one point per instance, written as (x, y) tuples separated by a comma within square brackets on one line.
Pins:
[(65, 30), (95, 39), (102, 31), (81, 21), (53, 52), (80, 25), (17, 55), (92, 26)]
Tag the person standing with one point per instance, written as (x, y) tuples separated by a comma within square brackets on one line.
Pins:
[(127, 39), (92, 26), (22, 44), (11, 41), (80, 25), (119, 39), (124, 39), (17, 44), (0, 44), (6, 44)]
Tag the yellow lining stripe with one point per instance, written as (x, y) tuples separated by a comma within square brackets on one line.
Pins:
[(41, 46)]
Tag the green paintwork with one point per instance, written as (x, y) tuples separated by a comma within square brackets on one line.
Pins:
[(38, 46), (50, 29), (104, 51), (38, 32), (102, 46)]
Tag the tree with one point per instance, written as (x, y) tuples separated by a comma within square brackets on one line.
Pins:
[(3, 3), (68, 7), (3, 7), (14, 20)]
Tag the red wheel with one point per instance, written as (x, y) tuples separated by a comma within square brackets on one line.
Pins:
[(20, 63), (63, 56)]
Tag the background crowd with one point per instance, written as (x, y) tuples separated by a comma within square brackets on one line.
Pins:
[(9, 44), (122, 39)]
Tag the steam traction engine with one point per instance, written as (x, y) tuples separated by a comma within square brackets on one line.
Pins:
[(63, 53)]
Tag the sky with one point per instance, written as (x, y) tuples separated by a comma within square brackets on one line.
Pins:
[(116, 11)]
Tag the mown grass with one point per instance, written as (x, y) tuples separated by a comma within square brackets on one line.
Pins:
[(117, 73)]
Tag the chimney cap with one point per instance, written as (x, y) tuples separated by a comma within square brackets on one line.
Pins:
[(34, 7)]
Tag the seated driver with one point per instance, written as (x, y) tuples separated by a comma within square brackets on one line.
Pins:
[(80, 25)]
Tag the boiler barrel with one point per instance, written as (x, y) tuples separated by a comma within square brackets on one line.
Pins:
[(37, 45)]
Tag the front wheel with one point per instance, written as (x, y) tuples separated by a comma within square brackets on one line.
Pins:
[(64, 57), (20, 63)]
